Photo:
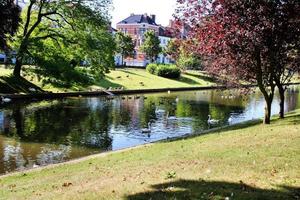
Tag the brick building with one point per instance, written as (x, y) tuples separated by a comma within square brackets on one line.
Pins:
[(136, 26)]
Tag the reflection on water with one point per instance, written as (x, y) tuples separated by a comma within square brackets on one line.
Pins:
[(54, 131)]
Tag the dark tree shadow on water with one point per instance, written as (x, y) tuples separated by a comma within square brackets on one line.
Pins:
[(214, 190)]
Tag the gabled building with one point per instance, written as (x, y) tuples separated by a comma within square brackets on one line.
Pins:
[(136, 26)]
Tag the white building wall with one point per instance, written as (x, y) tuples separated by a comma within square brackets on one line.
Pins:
[(163, 43)]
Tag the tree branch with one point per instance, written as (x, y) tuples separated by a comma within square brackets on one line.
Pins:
[(28, 17)]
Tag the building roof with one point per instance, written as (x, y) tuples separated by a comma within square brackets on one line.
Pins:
[(137, 19)]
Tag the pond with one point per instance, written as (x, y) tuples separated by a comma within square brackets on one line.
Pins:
[(41, 133)]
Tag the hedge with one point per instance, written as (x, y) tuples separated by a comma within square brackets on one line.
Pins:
[(166, 71)]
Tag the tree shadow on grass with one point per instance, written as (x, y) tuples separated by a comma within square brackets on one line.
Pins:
[(11, 84), (130, 72), (105, 83), (187, 80), (203, 77), (216, 190)]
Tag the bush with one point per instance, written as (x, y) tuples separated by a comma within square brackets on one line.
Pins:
[(185, 62), (166, 71), (151, 68)]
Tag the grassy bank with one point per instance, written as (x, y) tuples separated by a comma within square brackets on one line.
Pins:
[(126, 78), (247, 161)]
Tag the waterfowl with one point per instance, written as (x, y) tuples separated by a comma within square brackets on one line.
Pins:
[(32, 89), (5, 100), (147, 130), (212, 121)]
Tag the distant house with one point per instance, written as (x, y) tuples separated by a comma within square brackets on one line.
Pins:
[(136, 26)]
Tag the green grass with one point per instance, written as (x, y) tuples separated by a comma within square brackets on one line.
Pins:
[(126, 78), (246, 161), (141, 79)]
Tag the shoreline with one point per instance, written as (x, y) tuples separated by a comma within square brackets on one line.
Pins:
[(50, 95), (107, 153)]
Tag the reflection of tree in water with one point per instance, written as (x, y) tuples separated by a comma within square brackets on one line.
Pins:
[(292, 99), (61, 124), (13, 156), (50, 155), (97, 140), (147, 113)]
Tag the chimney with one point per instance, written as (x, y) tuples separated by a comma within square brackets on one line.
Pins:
[(153, 17), (131, 14)]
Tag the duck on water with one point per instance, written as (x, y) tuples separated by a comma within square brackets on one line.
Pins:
[(211, 121)]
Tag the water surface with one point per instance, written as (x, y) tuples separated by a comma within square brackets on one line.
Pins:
[(41, 133)]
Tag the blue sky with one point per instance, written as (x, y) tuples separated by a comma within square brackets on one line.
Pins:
[(163, 9)]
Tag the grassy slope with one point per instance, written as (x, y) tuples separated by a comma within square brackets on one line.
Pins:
[(127, 78), (249, 161), (141, 79)]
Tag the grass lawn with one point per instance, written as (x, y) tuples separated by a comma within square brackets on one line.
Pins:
[(141, 79), (246, 161), (126, 78)]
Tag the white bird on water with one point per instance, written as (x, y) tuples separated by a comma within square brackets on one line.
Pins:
[(212, 121), (5, 100), (32, 89), (147, 130)]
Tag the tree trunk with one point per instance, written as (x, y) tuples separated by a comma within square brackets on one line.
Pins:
[(17, 69), (268, 96), (282, 99), (267, 119)]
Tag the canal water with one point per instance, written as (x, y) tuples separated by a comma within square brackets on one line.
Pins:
[(41, 133)]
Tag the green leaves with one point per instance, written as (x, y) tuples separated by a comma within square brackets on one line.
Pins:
[(151, 46), (64, 34), (124, 45)]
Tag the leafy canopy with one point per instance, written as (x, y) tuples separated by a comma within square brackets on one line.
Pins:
[(245, 41), (151, 46), (124, 45), (59, 35), (10, 18)]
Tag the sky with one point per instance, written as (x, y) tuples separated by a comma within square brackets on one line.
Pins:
[(163, 9)]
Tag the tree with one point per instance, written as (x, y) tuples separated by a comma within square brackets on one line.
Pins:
[(285, 46), (70, 30), (173, 48), (237, 39), (10, 18), (125, 45), (151, 46), (189, 61)]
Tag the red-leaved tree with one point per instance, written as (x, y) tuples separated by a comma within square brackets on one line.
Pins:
[(242, 42)]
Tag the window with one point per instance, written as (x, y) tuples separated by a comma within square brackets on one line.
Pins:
[(142, 31)]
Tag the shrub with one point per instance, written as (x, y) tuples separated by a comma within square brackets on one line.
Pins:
[(168, 71), (151, 68), (185, 62)]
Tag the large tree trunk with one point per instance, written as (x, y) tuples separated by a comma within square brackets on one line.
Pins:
[(282, 99), (268, 95), (267, 118), (17, 69)]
